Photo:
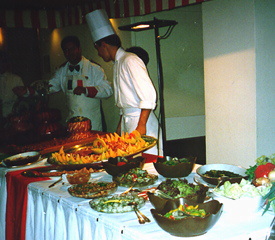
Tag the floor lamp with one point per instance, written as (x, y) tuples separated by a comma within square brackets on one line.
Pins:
[(156, 24)]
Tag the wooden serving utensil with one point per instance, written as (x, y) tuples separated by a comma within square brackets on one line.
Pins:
[(53, 184)]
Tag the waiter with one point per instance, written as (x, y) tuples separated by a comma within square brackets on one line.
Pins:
[(134, 92), (83, 82)]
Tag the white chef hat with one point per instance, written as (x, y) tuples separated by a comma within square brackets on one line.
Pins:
[(99, 24)]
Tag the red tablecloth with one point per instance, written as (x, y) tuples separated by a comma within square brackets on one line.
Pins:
[(17, 197)]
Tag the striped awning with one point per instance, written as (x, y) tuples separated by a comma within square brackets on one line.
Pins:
[(76, 15)]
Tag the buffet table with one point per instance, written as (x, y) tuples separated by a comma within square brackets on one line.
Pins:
[(52, 213)]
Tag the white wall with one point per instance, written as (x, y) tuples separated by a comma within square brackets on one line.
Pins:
[(235, 81), (265, 74)]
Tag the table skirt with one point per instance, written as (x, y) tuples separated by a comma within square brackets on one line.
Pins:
[(54, 214)]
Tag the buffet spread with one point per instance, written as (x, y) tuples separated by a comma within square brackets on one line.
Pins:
[(188, 202)]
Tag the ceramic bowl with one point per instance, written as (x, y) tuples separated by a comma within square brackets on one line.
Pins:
[(78, 178), (111, 166), (244, 206), (159, 202), (189, 226), (174, 171), (21, 159), (221, 167)]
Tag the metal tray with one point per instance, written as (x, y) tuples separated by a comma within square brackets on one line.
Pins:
[(58, 170)]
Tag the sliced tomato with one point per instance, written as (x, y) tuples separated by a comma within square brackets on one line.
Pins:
[(121, 163), (264, 170)]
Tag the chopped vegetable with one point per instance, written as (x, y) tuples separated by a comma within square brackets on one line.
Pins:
[(270, 199), (220, 173), (184, 211), (271, 176), (117, 203), (243, 189), (259, 161), (264, 170), (136, 176), (260, 173)]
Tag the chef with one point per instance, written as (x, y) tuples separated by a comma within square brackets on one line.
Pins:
[(83, 82), (134, 92), (8, 81)]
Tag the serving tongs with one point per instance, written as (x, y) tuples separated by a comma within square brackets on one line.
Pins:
[(161, 194), (141, 217)]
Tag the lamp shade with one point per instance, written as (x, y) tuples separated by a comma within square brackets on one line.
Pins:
[(99, 24)]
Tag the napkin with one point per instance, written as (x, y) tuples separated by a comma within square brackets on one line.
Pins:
[(149, 157), (17, 198)]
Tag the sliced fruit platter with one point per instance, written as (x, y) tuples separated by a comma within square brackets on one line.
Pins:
[(103, 148)]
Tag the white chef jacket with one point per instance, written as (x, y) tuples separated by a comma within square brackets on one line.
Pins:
[(90, 75), (134, 90), (7, 98)]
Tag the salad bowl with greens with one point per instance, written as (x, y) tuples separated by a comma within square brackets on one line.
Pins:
[(173, 189), (204, 218), (173, 167)]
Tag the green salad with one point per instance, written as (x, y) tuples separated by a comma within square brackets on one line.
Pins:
[(174, 161), (178, 188), (136, 177)]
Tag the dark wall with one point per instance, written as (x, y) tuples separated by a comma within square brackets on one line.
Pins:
[(187, 147), (22, 47)]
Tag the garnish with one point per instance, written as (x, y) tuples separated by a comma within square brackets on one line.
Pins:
[(185, 211), (262, 174), (174, 161)]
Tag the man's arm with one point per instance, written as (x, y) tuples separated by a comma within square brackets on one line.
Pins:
[(143, 118), (118, 129), (100, 87)]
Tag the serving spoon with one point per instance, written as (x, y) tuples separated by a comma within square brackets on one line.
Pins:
[(129, 189), (141, 217)]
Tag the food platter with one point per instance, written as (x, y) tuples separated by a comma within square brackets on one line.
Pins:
[(136, 177), (117, 203), (92, 189), (85, 153), (220, 172), (58, 170), (21, 159), (151, 179)]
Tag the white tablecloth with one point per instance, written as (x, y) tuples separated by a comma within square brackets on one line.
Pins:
[(53, 214)]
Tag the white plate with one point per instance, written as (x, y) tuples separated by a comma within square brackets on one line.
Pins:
[(21, 159)]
